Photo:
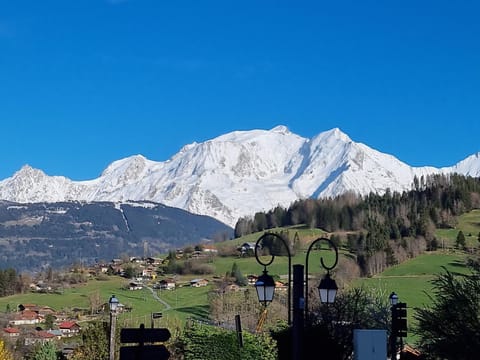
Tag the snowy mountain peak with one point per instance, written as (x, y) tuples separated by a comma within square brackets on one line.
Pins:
[(334, 134), (137, 161), (281, 129), (236, 174), (469, 166), (29, 171)]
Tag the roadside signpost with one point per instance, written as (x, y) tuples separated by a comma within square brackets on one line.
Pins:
[(155, 315), (140, 336)]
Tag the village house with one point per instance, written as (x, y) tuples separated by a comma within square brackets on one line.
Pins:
[(11, 332), (197, 254), (232, 288), (154, 261), (252, 279), (210, 249), (57, 333), (39, 337), (69, 328), (116, 269), (167, 284), (135, 286), (98, 269), (247, 248), (149, 273), (280, 286), (26, 317), (198, 282), (26, 306)]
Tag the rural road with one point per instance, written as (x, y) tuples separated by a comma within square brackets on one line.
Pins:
[(155, 296)]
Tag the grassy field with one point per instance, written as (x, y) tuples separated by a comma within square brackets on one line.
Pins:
[(186, 302), (470, 225), (411, 280)]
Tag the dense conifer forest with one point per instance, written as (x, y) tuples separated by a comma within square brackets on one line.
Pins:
[(381, 230)]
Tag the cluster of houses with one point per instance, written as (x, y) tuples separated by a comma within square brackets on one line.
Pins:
[(25, 324)]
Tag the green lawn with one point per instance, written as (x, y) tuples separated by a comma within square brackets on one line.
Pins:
[(469, 223), (77, 297), (411, 280), (185, 302)]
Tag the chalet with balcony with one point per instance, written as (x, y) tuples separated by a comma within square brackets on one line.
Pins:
[(69, 328)]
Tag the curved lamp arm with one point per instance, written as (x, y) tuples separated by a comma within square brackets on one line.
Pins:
[(322, 263), (257, 245)]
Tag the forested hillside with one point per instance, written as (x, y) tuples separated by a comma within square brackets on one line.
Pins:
[(382, 230)]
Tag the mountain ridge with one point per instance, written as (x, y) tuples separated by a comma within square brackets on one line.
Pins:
[(237, 174)]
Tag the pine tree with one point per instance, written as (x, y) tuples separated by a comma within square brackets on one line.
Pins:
[(461, 242), (237, 274)]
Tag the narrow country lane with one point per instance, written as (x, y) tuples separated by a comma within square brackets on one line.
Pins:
[(156, 297)]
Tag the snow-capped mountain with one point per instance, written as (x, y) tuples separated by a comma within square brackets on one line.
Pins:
[(236, 174)]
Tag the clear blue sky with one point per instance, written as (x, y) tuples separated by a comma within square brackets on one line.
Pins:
[(87, 82)]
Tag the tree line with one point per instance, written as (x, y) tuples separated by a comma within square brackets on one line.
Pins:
[(381, 230), (12, 282)]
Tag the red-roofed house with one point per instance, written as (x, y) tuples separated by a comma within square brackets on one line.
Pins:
[(23, 307), (39, 337), (69, 328), (26, 317), (11, 332)]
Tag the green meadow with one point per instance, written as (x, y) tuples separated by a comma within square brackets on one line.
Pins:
[(469, 224), (411, 280)]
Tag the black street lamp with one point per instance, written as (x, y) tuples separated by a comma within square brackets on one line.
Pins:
[(264, 283), (265, 287), (327, 289), (399, 324), (113, 305), (393, 338), (393, 298)]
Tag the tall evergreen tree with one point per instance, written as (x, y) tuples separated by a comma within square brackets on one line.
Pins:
[(461, 242), (236, 273)]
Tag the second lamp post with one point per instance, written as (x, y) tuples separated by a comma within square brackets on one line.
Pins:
[(265, 286)]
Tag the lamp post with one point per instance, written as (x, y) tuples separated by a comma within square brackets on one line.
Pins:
[(399, 324), (393, 339), (327, 289), (113, 304), (265, 287)]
